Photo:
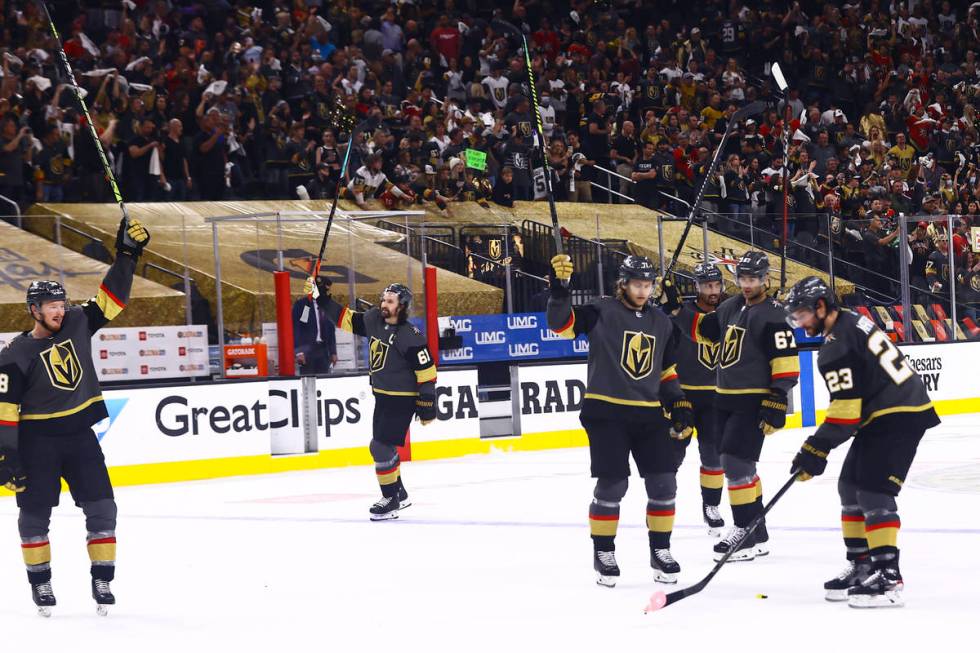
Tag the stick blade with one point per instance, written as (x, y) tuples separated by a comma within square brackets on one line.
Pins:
[(749, 110), (657, 600)]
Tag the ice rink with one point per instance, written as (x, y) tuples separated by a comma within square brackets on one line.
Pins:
[(494, 555)]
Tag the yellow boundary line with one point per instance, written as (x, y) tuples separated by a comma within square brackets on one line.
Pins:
[(197, 470)]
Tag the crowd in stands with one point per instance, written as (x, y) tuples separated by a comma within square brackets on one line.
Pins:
[(216, 99)]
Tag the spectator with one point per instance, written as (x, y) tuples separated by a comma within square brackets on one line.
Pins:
[(644, 173), (623, 154), (314, 335), (15, 152), (176, 168), (210, 149), (136, 167), (53, 167), (503, 190)]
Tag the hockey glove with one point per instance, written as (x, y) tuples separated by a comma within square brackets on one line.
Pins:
[(11, 474), (131, 238), (310, 289), (670, 299), (772, 412), (562, 264), (810, 461), (681, 419), (425, 407)]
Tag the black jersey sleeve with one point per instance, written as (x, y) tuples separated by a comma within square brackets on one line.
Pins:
[(784, 362), (419, 358), (113, 294), (343, 316), (567, 321), (699, 327), (12, 382), (841, 371), (670, 385)]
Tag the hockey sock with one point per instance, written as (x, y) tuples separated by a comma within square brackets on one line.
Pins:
[(712, 481), (660, 522), (388, 476), (37, 557), (102, 553), (853, 529), (881, 528), (741, 496), (603, 521)]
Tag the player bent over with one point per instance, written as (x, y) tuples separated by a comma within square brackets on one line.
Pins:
[(876, 398), (49, 400), (757, 368), (696, 363), (632, 380), (403, 378)]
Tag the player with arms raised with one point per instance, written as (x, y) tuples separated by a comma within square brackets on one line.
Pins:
[(879, 400), (632, 381)]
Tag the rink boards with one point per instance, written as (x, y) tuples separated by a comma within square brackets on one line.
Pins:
[(201, 431)]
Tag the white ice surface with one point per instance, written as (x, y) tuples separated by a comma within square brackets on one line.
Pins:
[(493, 556)]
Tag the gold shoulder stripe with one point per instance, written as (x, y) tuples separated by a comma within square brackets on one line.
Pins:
[(108, 303), (785, 366), (844, 411), (346, 320), (63, 413), (9, 413), (669, 373), (426, 375), (568, 330)]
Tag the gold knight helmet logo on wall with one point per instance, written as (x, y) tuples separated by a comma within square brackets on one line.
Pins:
[(637, 355), (62, 364), (379, 353), (731, 347)]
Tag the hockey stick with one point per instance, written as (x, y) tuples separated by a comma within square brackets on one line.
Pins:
[(745, 112), (88, 119), (343, 120), (539, 131), (660, 599)]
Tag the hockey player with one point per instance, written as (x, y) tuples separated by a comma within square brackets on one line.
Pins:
[(696, 363), (879, 400), (632, 381), (403, 377), (49, 400), (937, 265), (368, 179), (757, 368)]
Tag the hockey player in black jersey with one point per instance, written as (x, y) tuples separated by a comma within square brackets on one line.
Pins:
[(696, 363), (403, 379), (49, 400), (632, 386), (879, 400), (757, 368)]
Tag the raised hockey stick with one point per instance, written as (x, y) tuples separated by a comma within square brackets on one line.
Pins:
[(747, 111), (503, 25), (344, 121), (88, 119), (661, 600)]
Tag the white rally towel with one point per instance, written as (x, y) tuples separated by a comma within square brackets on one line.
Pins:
[(136, 62), (155, 168), (43, 83), (88, 45), (217, 88), (98, 72)]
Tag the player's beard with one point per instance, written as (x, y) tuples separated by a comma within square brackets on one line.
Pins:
[(712, 299), (50, 326)]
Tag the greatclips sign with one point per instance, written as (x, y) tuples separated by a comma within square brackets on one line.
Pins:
[(514, 337)]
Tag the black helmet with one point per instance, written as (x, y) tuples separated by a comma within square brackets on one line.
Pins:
[(805, 293), (45, 291), (404, 294), (636, 267), (705, 272), (752, 264)]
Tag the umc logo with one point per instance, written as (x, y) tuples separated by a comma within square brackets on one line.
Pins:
[(522, 322), (461, 354), (523, 349), (491, 337), (461, 326), (62, 365)]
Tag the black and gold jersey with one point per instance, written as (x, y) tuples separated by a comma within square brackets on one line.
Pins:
[(756, 349), (696, 361), (398, 358), (49, 386), (632, 355), (867, 378)]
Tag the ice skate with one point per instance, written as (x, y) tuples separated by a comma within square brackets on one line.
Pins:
[(745, 546), (856, 572), (712, 519), (605, 565), (883, 589), (385, 508), (43, 597), (665, 568), (761, 537), (103, 596)]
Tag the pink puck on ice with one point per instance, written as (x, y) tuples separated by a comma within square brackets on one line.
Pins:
[(657, 601)]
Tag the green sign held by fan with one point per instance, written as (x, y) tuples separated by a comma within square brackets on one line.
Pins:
[(476, 159)]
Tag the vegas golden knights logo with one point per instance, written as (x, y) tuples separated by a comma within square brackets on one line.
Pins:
[(731, 347), (637, 355), (63, 366), (493, 248), (379, 353), (708, 354)]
